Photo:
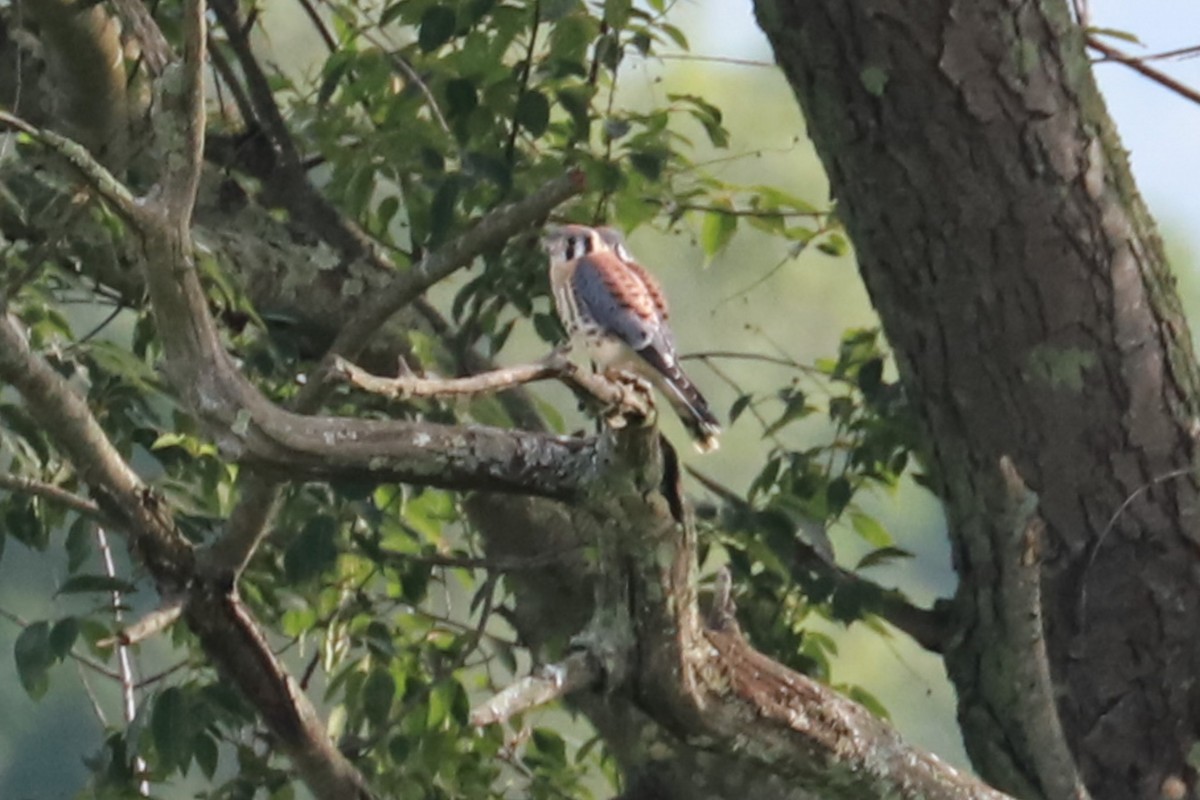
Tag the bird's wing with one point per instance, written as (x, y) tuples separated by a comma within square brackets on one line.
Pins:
[(616, 299)]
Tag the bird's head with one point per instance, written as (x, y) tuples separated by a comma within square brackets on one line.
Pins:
[(615, 240), (568, 242)]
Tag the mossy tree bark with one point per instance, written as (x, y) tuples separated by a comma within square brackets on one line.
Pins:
[(1026, 294)]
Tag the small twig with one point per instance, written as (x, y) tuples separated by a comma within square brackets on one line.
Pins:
[(737, 62), (152, 624), (93, 172), (753, 213), (511, 564), (49, 491), (322, 29), (407, 385), (97, 708), (1081, 615), (580, 670), (150, 680), (124, 659), (257, 83), (526, 71), (1138, 65)]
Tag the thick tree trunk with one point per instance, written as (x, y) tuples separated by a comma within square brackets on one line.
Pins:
[(1025, 292)]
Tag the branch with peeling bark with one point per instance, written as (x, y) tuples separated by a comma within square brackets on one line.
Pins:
[(549, 682), (625, 398)]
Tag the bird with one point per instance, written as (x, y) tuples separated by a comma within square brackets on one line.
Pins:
[(617, 310)]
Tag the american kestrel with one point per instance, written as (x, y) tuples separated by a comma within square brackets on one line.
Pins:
[(615, 308)]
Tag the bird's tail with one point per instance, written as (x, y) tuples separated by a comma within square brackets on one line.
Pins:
[(687, 401)]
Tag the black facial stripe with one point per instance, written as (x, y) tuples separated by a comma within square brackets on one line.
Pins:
[(577, 246)]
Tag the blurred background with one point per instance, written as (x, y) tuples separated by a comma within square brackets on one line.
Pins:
[(740, 301)]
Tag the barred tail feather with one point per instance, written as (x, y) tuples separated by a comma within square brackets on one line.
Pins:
[(687, 401)]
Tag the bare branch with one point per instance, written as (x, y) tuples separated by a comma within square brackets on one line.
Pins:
[(614, 393), (1138, 65), (186, 111), (408, 385), (1020, 586), (150, 625), (491, 564), (56, 494), (547, 683)]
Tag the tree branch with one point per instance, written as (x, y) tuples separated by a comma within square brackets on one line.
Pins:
[(55, 494), (150, 625), (545, 684), (186, 112), (92, 171), (623, 398), (1021, 604), (1139, 65)]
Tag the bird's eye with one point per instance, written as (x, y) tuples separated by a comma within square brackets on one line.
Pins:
[(577, 246)]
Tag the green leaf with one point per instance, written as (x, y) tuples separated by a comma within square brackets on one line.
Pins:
[(881, 556), (870, 529), (837, 495), (79, 543), (461, 97), (171, 729), (63, 636), (204, 748), (533, 112), (616, 12), (79, 584), (796, 408), (870, 377), (437, 26), (718, 228), (548, 328), (834, 245), (34, 656), (739, 405), (26, 525), (313, 551), (378, 692), (676, 35), (1114, 33), (864, 698)]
